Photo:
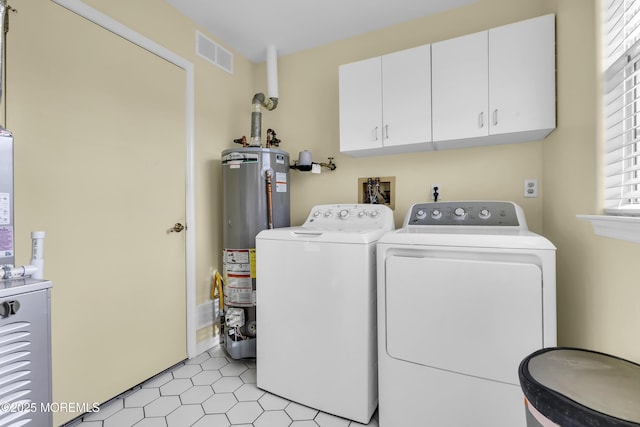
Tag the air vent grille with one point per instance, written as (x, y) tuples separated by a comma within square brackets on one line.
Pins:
[(213, 52)]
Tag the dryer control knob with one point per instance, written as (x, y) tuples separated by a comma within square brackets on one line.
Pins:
[(374, 214), (421, 214), (459, 212), (316, 213), (327, 214), (344, 213), (361, 214), (436, 214), (484, 214)]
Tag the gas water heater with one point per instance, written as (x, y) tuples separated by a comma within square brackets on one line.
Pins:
[(255, 194)]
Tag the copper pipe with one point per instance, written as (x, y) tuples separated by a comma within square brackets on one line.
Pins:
[(268, 175)]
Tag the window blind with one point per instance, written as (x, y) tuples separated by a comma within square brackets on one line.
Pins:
[(622, 106)]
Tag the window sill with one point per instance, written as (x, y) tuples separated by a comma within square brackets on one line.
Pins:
[(617, 227)]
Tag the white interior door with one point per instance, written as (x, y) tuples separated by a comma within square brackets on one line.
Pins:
[(105, 125)]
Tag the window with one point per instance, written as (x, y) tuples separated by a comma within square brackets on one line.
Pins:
[(621, 49), (621, 59)]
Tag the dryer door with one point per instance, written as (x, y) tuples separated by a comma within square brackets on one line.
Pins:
[(479, 318)]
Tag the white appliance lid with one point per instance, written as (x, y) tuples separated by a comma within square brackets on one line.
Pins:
[(305, 234), (338, 223)]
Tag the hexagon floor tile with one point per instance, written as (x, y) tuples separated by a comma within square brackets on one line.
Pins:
[(210, 390)]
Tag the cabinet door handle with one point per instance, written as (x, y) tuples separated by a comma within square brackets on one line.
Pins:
[(481, 119), (375, 133), (386, 131), (495, 117)]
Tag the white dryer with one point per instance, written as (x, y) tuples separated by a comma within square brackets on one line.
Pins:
[(316, 287), (465, 293)]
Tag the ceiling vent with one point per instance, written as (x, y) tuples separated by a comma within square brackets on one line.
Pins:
[(213, 52)]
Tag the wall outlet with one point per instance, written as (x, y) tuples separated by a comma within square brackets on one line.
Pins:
[(435, 188), (531, 187)]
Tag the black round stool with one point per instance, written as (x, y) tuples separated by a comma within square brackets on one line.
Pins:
[(570, 387)]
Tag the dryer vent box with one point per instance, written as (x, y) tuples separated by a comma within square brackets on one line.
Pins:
[(380, 190)]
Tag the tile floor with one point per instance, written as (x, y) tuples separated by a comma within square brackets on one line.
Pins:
[(210, 390)]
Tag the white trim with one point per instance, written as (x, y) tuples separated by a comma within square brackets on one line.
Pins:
[(208, 344), (138, 39), (617, 227)]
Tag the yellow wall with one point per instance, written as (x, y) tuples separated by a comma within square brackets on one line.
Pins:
[(307, 118), (37, 107), (598, 301), (598, 305)]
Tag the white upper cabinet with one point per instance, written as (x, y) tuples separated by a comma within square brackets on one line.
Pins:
[(406, 97), (460, 73), (385, 103), (492, 87), (522, 77), (496, 86), (361, 105)]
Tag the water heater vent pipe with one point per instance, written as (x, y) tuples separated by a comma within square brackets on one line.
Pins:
[(260, 100), (37, 253)]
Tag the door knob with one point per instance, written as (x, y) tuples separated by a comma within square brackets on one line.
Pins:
[(176, 228)]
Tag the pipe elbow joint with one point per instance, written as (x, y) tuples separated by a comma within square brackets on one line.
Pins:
[(258, 98)]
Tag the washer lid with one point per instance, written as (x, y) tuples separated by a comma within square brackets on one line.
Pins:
[(319, 235), (340, 223)]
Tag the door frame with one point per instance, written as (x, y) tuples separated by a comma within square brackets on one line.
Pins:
[(108, 23)]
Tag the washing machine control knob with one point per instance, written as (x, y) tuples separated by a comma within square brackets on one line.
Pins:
[(316, 213), (436, 214), (327, 214), (344, 213), (374, 214), (459, 213), (421, 214), (484, 214), (361, 214)]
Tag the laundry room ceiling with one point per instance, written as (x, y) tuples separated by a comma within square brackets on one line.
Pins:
[(249, 26)]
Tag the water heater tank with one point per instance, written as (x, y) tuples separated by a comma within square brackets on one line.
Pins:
[(255, 197)]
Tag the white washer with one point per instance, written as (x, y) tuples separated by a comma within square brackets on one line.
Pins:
[(316, 310), (465, 293)]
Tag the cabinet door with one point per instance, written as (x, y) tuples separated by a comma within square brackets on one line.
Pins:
[(360, 105), (522, 76), (406, 96), (460, 87)]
